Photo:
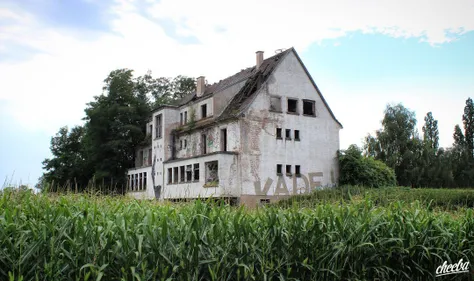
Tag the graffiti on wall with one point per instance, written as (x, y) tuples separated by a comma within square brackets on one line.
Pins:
[(310, 181)]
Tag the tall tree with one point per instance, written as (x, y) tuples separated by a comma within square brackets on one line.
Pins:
[(468, 122), (116, 125), (397, 144), (428, 163), (68, 166)]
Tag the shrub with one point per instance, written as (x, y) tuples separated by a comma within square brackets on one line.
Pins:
[(356, 169)]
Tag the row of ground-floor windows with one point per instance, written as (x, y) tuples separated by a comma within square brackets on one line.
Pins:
[(189, 173), (289, 172), (137, 182)]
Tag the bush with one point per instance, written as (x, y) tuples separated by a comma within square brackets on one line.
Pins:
[(356, 169)]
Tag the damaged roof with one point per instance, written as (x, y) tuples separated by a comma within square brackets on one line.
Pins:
[(253, 78)]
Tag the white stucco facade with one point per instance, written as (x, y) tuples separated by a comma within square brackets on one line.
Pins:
[(284, 141)]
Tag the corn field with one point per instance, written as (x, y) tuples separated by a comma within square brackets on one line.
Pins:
[(81, 237)]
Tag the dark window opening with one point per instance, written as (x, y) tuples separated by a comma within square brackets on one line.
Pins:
[(185, 117), (203, 144), (180, 144), (309, 107), (292, 106), (170, 175), (189, 173), (196, 172), (275, 104), (279, 167), (128, 182), (185, 143), (288, 134), (224, 139), (297, 170), (181, 118), (140, 158), (181, 174), (158, 126), (175, 176), (297, 135), (264, 201), (288, 169), (144, 180), (278, 133), (204, 111)]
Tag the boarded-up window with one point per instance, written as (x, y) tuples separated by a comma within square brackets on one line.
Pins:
[(275, 104)]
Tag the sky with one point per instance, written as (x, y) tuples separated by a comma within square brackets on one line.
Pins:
[(363, 55)]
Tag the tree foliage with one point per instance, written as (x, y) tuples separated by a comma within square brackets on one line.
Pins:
[(104, 148), (356, 169)]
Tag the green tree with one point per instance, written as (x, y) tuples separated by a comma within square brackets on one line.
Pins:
[(397, 144), (115, 125), (68, 166)]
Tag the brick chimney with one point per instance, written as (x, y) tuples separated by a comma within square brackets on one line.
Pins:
[(200, 86), (259, 59)]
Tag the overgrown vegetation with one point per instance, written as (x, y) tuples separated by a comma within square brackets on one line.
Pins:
[(80, 237), (432, 198), (356, 169), (101, 151), (419, 161)]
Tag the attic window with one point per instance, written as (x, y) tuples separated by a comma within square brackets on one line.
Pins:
[(275, 104), (292, 106), (309, 107)]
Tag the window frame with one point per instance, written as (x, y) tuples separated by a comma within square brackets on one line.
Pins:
[(279, 169), (279, 133), (313, 104), (275, 110), (288, 106)]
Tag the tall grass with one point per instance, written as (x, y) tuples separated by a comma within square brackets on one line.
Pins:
[(81, 237), (446, 199)]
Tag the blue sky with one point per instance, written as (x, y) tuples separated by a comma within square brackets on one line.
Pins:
[(55, 54)]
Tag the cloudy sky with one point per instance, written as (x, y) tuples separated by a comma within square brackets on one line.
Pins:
[(54, 55)]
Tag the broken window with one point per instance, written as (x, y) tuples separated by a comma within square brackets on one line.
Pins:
[(278, 133), (204, 111), (309, 107), (212, 172), (288, 169), (297, 170), (264, 201), (292, 106), (203, 144), (175, 175), (181, 118), (158, 126), (297, 135), (224, 139), (181, 174), (275, 104), (170, 175), (185, 117), (144, 180), (196, 171), (189, 173), (279, 167), (288, 134)]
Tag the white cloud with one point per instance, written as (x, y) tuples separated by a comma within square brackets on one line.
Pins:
[(51, 89)]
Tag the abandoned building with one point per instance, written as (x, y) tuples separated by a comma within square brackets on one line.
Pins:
[(259, 135)]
